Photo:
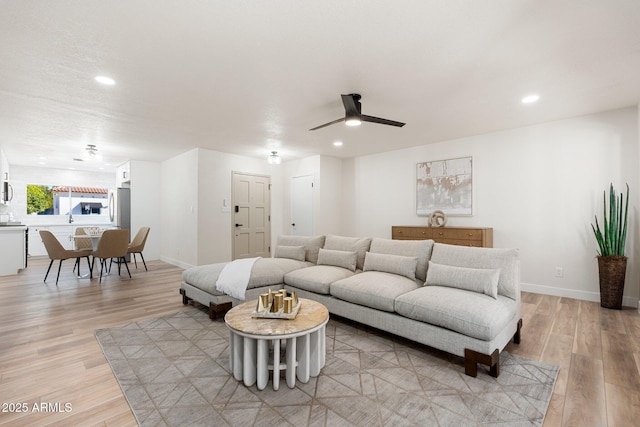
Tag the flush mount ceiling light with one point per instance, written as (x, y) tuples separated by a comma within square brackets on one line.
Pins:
[(530, 99), (274, 159), (89, 154), (105, 80)]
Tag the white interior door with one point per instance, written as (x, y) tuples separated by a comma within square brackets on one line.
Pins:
[(251, 215), (302, 205)]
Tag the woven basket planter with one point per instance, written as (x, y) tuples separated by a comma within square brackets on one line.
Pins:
[(612, 271)]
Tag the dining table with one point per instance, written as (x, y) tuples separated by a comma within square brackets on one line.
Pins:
[(94, 234)]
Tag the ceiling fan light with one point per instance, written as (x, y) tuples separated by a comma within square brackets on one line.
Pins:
[(353, 121), (90, 153), (274, 159)]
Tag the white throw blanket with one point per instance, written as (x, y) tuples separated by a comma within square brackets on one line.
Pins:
[(234, 277)]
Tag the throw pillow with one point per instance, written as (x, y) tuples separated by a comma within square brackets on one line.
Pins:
[(396, 264), (344, 259), (480, 280), (291, 252), (360, 245)]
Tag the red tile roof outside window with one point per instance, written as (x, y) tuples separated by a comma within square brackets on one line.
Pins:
[(86, 190)]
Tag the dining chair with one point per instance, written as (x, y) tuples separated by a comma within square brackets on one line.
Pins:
[(113, 244), (56, 251), (137, 245)]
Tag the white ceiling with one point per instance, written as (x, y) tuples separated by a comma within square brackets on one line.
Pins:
[(248, 77)]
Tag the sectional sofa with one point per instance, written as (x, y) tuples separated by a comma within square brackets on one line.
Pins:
[(462, 300)]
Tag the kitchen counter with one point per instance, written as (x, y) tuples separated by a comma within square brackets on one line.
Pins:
[(13, 249)]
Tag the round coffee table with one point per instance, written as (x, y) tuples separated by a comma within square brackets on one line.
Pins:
[(255, 343)]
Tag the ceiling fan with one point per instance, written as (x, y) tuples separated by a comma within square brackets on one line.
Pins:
[(353, 114)]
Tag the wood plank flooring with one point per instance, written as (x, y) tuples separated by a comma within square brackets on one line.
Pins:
[(48, 352)]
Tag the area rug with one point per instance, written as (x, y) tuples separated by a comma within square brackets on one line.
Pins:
[(174, 371)]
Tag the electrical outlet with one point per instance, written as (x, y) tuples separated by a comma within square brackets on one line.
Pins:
[(559, 272)]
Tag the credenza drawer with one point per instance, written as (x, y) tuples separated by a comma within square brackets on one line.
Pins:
[(457, 233), (411, 233), (463, 236)]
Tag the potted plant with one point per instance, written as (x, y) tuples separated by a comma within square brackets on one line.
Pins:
[(612, 263)]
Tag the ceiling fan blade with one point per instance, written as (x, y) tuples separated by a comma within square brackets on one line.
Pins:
[(372, 119), (329, 124), (352, 106)]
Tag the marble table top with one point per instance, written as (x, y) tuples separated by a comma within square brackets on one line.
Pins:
[(310, 315)]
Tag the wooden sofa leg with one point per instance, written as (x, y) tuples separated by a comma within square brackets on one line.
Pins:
[(472, 358), (216, 310), (185, 298), (516, 337)]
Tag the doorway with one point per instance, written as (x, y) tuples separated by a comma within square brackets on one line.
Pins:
[(302, 205), (251, 216)]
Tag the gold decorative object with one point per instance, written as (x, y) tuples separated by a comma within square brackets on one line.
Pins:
[(263, 303), (288, 306), (277, 305)]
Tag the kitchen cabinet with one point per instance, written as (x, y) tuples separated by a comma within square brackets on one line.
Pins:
[(13, 256), (123, 175)]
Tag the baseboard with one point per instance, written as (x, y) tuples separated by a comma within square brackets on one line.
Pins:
[(571, 293), (176, 262)]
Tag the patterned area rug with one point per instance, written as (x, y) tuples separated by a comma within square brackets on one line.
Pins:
[(174, 370)]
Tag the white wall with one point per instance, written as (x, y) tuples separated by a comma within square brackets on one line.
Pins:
[(215, 231), (538, 187), (146, 206), (195, 229), (328, 213), (179, 200)]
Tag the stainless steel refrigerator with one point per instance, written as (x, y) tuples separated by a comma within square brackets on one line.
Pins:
[(120, 209)]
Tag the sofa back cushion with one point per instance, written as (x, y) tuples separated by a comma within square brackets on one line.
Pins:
[(343, 259), (395, 264), (507, 260), (312, 245), (421, 249), (359, 245), (292, 252)]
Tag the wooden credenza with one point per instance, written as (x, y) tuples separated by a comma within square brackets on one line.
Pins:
[(464, 236)]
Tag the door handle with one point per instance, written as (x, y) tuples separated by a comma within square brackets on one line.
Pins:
[(293, 225), (239, 225)]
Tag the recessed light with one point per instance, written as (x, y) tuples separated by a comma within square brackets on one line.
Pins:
[(105, 80), (338, 143), (530, 98)]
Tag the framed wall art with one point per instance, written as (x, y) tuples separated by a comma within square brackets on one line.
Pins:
[(445, 185)]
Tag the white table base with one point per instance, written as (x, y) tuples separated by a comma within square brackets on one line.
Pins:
[(305, 355)]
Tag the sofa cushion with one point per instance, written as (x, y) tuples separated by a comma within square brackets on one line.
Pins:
[(291, 252), (312, 245), (481, 280), (265, 272), (506, 259), (360, 245), (317, 278), (413, 248), (373, 289), (344, 259), (469, 313), (395, 264)]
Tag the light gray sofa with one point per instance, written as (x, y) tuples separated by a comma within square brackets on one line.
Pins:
[(462, 300)]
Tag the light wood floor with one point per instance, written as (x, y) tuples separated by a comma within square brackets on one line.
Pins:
[(48, 352)]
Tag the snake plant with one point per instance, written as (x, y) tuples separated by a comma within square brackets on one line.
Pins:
[(611, 239)]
